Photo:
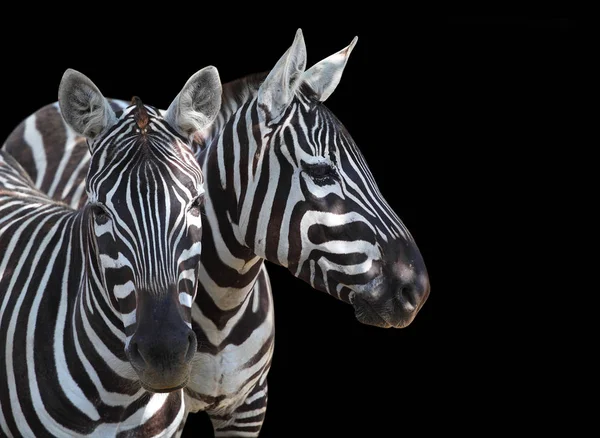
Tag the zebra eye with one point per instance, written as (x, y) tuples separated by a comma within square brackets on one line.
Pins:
[(321, 173), (100, 214), (196, 205)]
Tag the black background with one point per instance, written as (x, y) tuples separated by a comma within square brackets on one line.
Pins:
[(454, 113)]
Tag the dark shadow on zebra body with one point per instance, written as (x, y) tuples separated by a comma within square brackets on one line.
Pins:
[(95, 302), (286, 183)]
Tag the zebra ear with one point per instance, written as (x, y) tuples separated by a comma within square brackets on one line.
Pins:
[(325, 75), (83, 106), (197, 104), (277, 90)]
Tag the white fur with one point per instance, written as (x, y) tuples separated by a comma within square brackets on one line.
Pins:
[(83, 106), (197, 104), (325, 75), (277, 90)]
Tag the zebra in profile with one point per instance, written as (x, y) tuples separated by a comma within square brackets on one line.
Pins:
[(95, 303), (285, 182)]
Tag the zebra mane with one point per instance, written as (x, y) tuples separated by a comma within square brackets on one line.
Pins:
[(235, 94), (241, 89)]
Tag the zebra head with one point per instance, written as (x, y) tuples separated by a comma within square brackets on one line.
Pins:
[(144, 190), (329, 223)]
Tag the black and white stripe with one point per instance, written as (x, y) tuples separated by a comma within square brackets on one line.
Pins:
[(95, 303), (285, 183)]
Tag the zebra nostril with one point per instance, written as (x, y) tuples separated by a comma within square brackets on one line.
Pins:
[(135, 357), (192, 346), (407, 294)]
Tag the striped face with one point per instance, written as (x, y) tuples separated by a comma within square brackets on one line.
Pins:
[(316, 204), (329, 223), (145, 188)]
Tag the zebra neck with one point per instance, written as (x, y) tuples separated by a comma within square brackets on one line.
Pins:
[(229, 163), (230, 267)]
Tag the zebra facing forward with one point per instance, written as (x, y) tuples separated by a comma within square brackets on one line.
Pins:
[(95, 303), (286, 183)]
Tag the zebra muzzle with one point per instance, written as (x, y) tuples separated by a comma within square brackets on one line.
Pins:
[(163, 345), (394, 298)]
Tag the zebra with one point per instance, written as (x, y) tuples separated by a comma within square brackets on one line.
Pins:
[(285, 183), (95, 303)]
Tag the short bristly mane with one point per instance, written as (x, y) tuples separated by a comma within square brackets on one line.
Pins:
[(239, 90), (235, 94)]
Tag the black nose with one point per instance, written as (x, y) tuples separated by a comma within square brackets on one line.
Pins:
[(163, 345), (401, 290), (162, 350), (405, 270)]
